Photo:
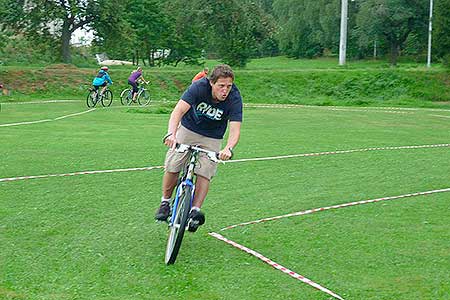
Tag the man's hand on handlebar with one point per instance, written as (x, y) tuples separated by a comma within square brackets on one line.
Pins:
[(170, 140), (225, 154)]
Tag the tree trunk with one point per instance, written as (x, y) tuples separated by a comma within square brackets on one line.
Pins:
[(394, 53), (152, 55), (65, 39)]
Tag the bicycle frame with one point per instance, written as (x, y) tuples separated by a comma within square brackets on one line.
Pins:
[(186, 180), (182, 203), (99, 97), (142, 95), (130, 91)]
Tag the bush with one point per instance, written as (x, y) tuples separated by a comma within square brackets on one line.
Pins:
[(446, 60)]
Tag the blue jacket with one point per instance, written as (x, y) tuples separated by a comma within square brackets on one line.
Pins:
[(102, 76)]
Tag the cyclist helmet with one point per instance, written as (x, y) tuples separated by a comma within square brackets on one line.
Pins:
[(104, 68)]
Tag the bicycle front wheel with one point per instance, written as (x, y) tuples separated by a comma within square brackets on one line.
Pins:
[(107, 98), (179, 225), (143, 97), (126, 97), (90, 99)]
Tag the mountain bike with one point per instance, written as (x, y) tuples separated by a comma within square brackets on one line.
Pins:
[(182, 203), (94, 97), (142, 97)]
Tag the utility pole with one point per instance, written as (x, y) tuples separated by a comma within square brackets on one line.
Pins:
[(430, 28), (343, 38)]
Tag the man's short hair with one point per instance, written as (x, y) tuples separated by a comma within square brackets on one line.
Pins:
[(221, 71)]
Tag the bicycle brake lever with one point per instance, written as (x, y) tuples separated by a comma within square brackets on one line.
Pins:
[(214, 157), (181, 148)]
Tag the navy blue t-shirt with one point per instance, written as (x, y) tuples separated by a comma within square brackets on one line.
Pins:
[(206, 116)]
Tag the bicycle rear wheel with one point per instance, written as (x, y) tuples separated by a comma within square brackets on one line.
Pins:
[(107, 98), (179, 225), (90, 99), (143, 97), (126, 97)]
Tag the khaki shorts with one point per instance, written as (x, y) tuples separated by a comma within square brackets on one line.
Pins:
[(175, 161)]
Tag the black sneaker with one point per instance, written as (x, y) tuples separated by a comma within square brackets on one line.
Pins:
[(163, 211), (196, 218)]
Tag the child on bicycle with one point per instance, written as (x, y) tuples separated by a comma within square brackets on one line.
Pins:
[(201, 118), (102, 79), (133, 80)]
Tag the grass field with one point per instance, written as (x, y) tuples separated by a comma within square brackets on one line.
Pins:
[(93, 237)]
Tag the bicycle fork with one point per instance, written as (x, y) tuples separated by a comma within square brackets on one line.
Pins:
[(176, 201)]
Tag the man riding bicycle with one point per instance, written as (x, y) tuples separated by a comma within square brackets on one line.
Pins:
[(201, 118), (133, 81), (102, 79)]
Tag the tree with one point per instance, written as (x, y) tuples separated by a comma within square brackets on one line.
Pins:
[(57, 19), (3, 26), (168, 32), (237, 29), (185, 32), (16, 44), (112, 32), (307, 28), (391, 20), (441, 35), (150, 24)]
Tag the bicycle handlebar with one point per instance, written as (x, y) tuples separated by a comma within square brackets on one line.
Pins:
[(214, 156), (143, 82)]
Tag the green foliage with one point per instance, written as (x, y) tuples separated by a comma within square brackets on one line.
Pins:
[(114, 34), (231, 31), (294, 35), (315, 26), (149, 24), (51, 22), (238, 30), (18, 49), (441, 34), (392, 21), (185, 36)]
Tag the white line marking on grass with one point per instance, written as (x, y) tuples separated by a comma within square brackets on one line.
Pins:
[(25, 123), (130, 106), (440, 116), (80, 173), (310, 211), (233, 161), (368, 110), (336, 152), (40, 102), (47, 120), (74, 114), (374, 108), (276, 265), (333, 108)]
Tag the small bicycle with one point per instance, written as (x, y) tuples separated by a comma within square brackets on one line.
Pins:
[(182, 203), (142, 97), (95, 96)]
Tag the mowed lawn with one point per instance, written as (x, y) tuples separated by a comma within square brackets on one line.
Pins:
[(93, 236)]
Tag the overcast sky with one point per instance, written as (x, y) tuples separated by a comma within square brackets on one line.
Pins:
[(82, 36)]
